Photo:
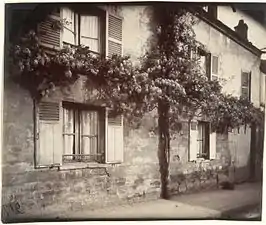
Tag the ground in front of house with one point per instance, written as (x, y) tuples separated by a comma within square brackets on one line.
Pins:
[(243, 203)]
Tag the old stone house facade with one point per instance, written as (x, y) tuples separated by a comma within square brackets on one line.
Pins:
[(66, 153)]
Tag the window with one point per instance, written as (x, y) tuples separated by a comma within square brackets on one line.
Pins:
[(84, 29), (202, 142), (82, 133), (205, 62), (215, 67), (70, 132), (89, 29), (99, 29), (245, 84)]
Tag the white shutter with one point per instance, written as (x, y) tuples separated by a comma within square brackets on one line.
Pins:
[(213, 145), (114, 28), (49, 134), (69, 32), (48, 35), (90, 32), (193, 145), (115, 140), (215, 67)]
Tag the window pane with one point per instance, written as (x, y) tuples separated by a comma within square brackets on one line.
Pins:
[(69, 26), (90, 32), (69, 131), (89, 120)]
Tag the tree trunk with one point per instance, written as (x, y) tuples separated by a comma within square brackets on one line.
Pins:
[(164, 146)]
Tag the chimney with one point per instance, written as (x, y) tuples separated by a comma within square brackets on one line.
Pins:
[(242, 29)]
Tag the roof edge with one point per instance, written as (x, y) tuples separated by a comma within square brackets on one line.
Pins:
[(218, 25)]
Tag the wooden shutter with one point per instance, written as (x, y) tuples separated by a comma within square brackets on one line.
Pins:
[(49, 35), (70, 27), (115, 140), (208, 65), (49, 134), (215, 67), (114, 28), (193, 144), (245, 84), (213, 145)]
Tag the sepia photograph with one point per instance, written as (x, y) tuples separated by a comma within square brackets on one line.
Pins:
[(133, 111)]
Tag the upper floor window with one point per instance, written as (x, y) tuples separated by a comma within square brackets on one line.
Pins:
[(83, 134), (84, 29), (246, 85), (99, 29)]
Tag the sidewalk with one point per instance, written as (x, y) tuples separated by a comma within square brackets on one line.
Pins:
[(208, 205), (211, 204)]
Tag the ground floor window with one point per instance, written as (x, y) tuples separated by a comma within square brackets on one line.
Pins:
[(81, 133), (67, 132), (203, 140)]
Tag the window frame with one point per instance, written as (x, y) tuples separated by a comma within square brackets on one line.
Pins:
[(93, 11), (204, 141), (79, 108)]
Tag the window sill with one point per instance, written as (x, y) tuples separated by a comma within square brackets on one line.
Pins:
[(202, 160), (80, 165)]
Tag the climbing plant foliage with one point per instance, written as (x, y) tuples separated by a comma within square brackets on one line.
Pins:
[(170, 73)]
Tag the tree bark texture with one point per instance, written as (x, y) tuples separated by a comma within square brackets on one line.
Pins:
[(164, 146)]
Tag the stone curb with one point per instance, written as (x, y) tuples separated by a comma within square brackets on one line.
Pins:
[(227, 214)]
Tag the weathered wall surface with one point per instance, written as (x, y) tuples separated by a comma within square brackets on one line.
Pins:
[(233, 59), (136, 30)]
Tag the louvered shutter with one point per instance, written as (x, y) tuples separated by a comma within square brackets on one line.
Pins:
[(213, 145), (49, 134), (245, 84), (49, 35), (193, 144), (114, 27), (115, 140)]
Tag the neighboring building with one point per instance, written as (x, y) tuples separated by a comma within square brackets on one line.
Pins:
[(66, 153)]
